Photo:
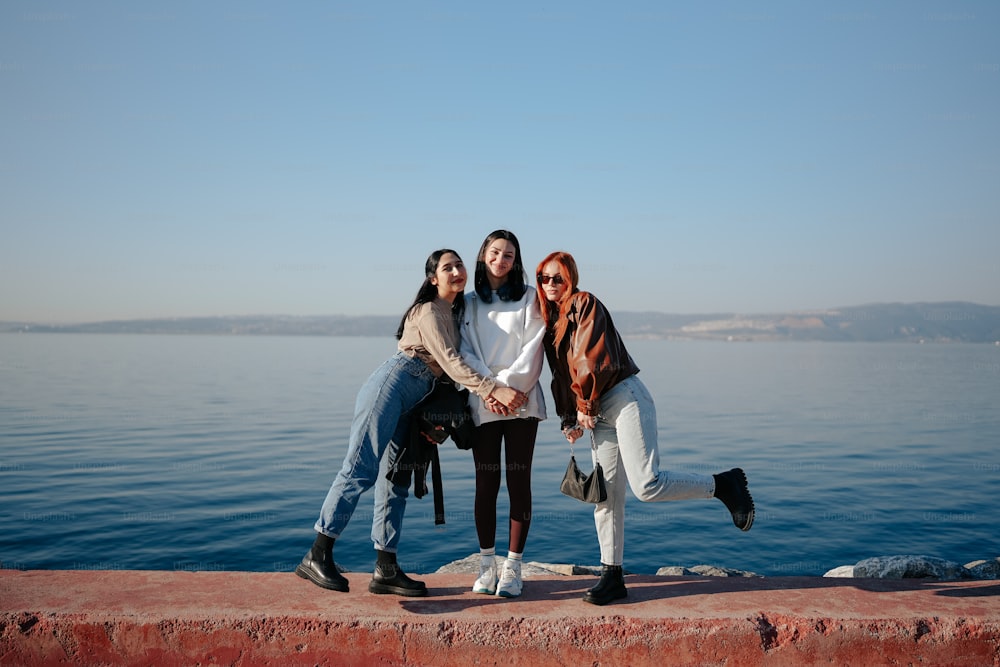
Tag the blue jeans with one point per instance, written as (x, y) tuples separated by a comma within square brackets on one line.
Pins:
[(378, 434), (625, 444)]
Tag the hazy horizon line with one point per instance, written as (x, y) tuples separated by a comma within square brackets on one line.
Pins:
[(955, 302)]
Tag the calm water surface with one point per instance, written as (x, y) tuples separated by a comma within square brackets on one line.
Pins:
[(201, 453)]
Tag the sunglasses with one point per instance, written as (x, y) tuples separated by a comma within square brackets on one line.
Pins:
[(544, 279)]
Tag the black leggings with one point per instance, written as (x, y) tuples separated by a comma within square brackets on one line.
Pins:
[(519, 438)]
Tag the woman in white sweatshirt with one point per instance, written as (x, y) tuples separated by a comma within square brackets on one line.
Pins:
[(502, 338)]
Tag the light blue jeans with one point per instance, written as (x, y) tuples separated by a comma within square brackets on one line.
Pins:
[(625, 443), (378, 435)]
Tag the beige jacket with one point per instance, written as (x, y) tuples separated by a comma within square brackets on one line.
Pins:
[(431, 335)]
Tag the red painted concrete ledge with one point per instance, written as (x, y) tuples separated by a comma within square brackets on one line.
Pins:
[(245, 618)]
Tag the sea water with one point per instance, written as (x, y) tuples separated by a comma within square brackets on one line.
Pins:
[(215, 453)]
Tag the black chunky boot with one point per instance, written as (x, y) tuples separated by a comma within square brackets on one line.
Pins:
[(388, 578), (318, 567), (731, 488), (610, 587)]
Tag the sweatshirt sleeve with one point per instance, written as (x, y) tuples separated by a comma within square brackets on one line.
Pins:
[(437, 332), (469, 346)]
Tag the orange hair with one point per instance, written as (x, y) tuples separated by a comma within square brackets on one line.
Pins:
[(554, 313)]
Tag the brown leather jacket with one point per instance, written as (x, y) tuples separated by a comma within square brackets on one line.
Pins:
[(590, 360)]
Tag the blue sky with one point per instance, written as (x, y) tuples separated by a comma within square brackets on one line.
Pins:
[(223, 158)]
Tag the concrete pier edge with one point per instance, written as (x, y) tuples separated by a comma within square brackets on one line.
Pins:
[(275, 618)]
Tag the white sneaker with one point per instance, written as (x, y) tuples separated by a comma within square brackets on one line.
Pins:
[(510, 579), (487, 581)]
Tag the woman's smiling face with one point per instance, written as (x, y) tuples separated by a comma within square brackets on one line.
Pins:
[(450, 276), (499, 260)]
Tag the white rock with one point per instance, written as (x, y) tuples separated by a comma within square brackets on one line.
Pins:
[(842, 571), (557, 568)]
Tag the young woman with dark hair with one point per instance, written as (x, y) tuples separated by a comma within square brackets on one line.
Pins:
[(502, 337), (427, 349)]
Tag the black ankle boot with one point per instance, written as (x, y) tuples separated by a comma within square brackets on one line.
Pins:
[(610, 587), (731, 488), (318, 567), (388, 578)]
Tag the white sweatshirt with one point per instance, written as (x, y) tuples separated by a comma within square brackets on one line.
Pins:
[(503, 339)]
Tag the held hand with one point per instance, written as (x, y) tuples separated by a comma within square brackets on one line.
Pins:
[(586, 421), (511, 398), (496, 407), (573, 433)]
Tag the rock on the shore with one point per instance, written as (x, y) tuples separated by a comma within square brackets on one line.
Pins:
[(675, 571), (702, 571), (910, 567), (918, 567), (470, 565), (882, 567), (842, 571), (984, 569)]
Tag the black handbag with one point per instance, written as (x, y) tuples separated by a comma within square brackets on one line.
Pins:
[(588, 488)]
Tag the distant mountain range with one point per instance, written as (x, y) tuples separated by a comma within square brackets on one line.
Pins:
[(910, 322)]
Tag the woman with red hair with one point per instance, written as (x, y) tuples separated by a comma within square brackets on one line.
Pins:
[(595, 386)]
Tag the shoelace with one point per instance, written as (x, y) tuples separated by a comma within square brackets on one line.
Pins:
[(486, 574)]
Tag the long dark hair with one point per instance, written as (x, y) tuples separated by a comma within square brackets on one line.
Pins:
[(428, 291), (514, 288)]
